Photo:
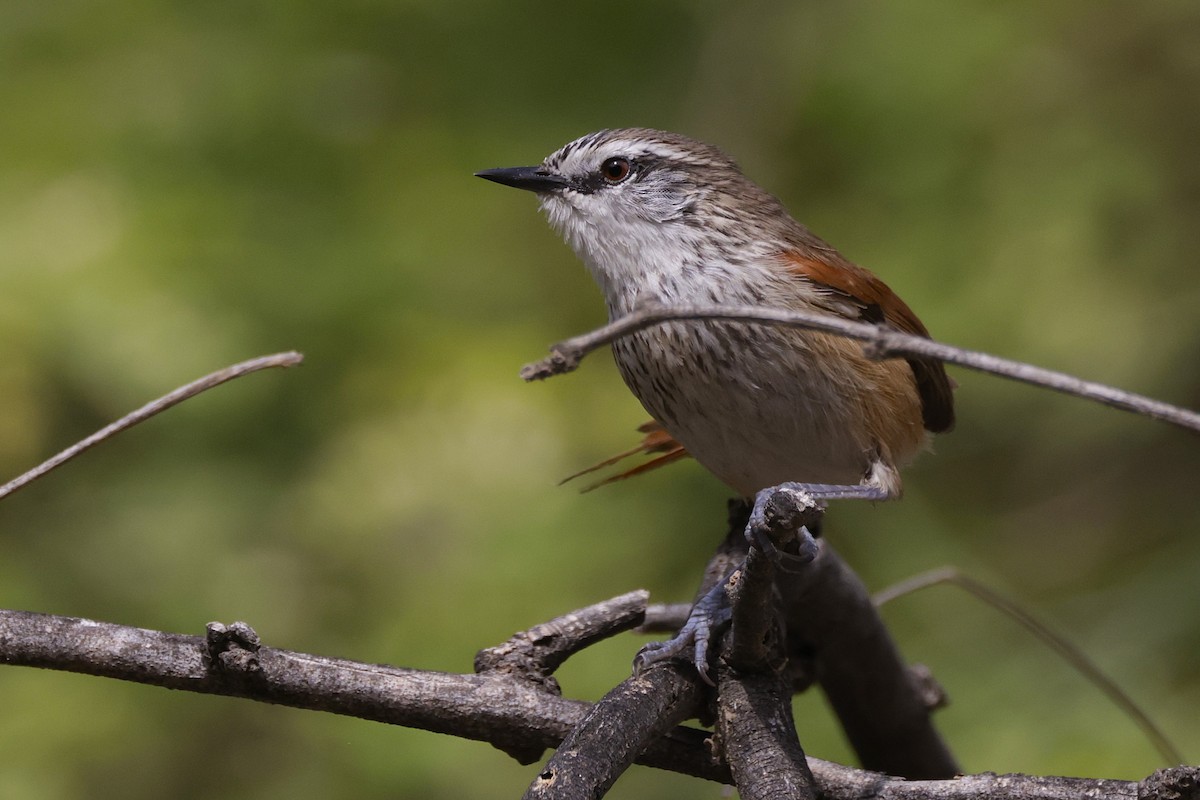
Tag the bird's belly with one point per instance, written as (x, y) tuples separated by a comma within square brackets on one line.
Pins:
[(758, 407)]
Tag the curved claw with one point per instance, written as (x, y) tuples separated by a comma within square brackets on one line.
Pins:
[(757, 526), (785, 561), (710, 614)]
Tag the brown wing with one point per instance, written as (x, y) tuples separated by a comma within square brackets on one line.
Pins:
[(878, 303), (656, 440)]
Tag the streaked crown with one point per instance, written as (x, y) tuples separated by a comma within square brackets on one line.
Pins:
[(653, 175)]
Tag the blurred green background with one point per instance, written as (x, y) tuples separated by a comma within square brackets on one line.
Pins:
[(184, 185)]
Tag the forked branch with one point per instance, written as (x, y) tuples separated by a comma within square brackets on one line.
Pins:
[(502, 709)]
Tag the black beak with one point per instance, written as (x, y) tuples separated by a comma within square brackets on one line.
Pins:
[(534, 179)]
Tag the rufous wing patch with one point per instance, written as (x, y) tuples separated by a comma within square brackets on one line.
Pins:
[(876, 302)]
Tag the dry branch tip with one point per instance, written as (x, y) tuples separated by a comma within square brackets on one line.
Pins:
[(287, 359)]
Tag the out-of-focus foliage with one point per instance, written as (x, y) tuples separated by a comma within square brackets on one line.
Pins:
[(183, 185)]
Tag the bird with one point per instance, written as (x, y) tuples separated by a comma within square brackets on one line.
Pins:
[(661, 219)]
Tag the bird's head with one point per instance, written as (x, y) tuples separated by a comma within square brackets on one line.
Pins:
[(626, 174), (632, 200)]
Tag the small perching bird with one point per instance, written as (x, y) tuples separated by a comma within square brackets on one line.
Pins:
[(663, 219)]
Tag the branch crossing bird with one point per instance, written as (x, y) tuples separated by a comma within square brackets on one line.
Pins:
[(659, 218)]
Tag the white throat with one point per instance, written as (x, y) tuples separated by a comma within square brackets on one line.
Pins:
[(633, 259)]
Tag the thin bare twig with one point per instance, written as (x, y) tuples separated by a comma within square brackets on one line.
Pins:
[(882, 342), (289, 359), (1065, 649), (665, 617)]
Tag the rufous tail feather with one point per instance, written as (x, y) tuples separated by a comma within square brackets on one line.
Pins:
[(655, 440)]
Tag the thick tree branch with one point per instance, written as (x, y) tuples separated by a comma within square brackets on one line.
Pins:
[(836, 636), (490, 708), (755, 634), (754, 726), (640, 710), (533, 655), (758, 737), (505, 711), (881, 342), (536, 653), (884, 710)]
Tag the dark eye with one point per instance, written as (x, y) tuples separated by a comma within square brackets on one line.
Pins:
[(615, 170)]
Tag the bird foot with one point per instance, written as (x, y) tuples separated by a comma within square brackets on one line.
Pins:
[(709, 616), (830, 491), (780, 511), (777, 510)]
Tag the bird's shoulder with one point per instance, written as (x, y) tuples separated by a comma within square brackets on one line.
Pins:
[(858, 293)]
